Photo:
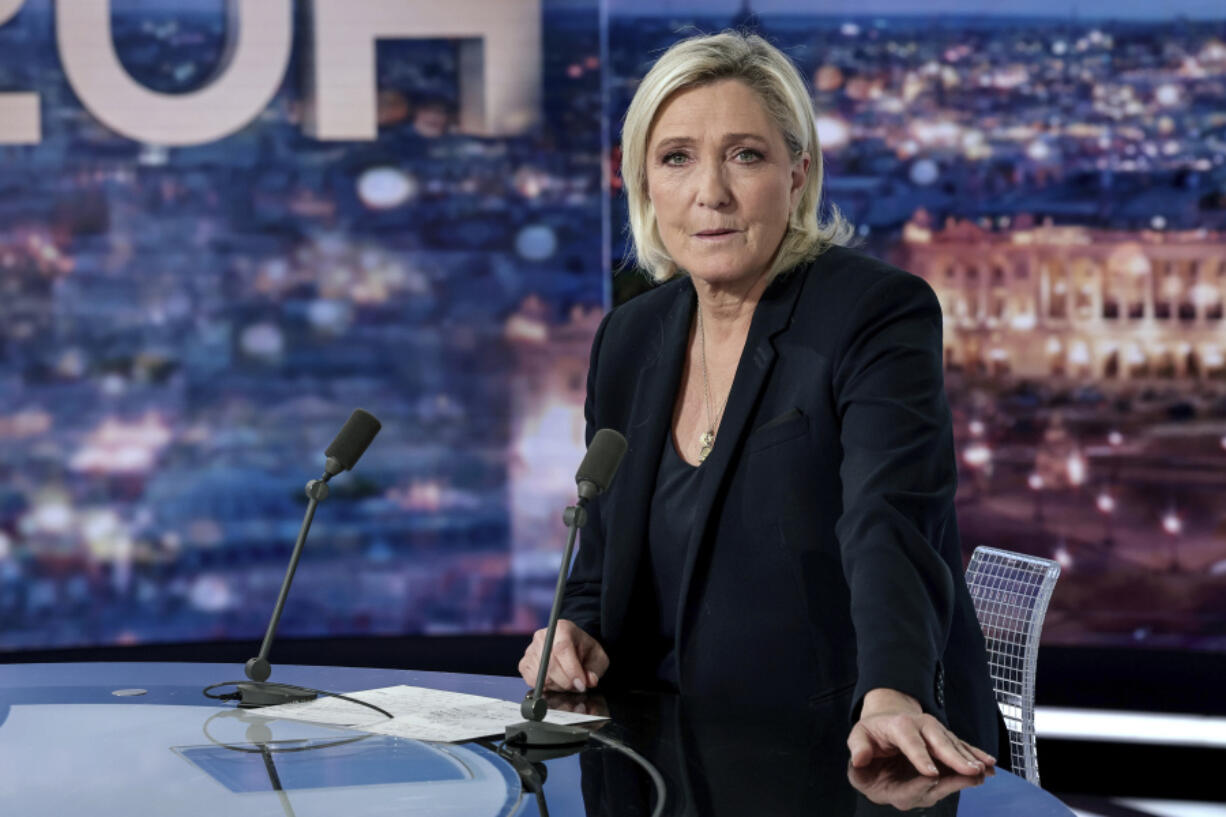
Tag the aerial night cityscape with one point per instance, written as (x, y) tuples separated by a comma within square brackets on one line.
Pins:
[(183, 329)]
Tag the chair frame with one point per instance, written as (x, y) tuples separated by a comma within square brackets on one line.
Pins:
[(1010, 592)]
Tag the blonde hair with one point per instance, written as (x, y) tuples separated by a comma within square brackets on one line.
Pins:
[(776, 82)]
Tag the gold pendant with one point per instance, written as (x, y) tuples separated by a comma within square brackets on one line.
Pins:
[(708, 441)]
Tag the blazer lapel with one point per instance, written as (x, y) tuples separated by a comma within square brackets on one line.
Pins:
[(772, 316), (651, 414)]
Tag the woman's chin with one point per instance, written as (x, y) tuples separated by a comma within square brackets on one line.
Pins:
[(724, 276)]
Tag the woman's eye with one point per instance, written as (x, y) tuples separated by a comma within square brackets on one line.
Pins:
[(674, 159), (748, 155)]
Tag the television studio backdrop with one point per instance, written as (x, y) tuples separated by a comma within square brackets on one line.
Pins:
[(220, 232)]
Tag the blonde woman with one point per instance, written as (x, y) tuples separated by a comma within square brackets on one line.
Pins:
[(783, 524)]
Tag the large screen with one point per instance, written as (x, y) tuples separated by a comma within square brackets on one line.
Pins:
[(224, 224), (1058, 175)]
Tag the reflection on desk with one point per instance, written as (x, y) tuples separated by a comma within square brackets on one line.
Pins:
[(718, 759), (69, 745)]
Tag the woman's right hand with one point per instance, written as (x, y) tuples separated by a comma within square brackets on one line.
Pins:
[(576, 663)]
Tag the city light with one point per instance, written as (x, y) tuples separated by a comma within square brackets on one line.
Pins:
[(977, 455), (536, 242), (924, 172), (1063, 556), (1168, 95), (1039, 150), (122, 447), (832, 132), (1076, 469), (385, 188)]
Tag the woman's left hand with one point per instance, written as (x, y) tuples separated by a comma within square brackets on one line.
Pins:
[(892, 722)]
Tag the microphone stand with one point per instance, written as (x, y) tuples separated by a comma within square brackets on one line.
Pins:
[(258, 693), (534, 731), (529, 764)]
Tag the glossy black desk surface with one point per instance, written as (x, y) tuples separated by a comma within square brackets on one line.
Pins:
[(69, 745)]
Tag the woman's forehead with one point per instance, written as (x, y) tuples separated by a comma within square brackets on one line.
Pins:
[(718, 110)]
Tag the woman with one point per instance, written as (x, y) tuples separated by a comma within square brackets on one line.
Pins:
[(783, 522)]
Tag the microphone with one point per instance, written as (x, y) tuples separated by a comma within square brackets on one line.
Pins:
[(595, 474), (600, 463), (348, 446), (351, 442)]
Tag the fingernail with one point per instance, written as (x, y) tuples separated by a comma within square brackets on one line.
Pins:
[(579, 686), (932, 769)]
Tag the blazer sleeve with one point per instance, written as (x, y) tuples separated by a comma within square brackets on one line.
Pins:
[(581, 597), (899, 477)]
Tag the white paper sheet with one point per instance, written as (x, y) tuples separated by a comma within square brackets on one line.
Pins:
[(418, 713)]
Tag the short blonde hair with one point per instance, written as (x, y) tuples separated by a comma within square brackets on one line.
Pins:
[(772, 76)]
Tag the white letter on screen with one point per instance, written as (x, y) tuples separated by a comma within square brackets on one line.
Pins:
[(500, 61), (19, 119), (259, 34)]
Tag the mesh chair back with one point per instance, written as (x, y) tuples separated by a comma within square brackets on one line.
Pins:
[(1010, 592)]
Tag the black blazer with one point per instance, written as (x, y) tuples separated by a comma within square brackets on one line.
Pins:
[(825, 558)]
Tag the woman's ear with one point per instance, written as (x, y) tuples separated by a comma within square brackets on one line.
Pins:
[(800, 175)]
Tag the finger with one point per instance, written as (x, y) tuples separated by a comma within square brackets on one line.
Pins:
[(987, 759), (946, 786), (948, 750), (529, 665), (981, 759), (556, 678), (912, 793), (855, 774), (861, 746), (595, 661), (570, 666), (911, 743)]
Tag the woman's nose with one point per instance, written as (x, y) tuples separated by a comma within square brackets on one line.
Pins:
[(713, 191)]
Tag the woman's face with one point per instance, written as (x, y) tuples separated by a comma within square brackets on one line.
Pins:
[(721, 181)]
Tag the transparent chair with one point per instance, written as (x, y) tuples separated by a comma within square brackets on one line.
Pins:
[(1010, 592)]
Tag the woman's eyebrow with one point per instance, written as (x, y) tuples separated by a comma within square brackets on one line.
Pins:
[(727, 138), (674, 141), (741, 137)]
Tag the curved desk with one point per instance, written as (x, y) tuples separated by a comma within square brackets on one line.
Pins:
[(69, 744)]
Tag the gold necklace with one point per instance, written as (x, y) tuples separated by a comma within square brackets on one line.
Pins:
[(708, 437)]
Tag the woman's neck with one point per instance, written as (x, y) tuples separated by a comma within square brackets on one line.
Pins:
[(727, 309)]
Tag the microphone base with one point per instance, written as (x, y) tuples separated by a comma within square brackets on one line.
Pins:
[(538, 733), (256, 694)]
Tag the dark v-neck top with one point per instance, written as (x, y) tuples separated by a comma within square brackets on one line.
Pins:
[(669, 526)]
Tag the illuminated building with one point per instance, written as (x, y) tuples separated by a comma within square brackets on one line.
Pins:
[(1038, 301)]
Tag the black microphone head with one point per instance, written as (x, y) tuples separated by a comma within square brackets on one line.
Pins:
[(352, 440), (600, 463)]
